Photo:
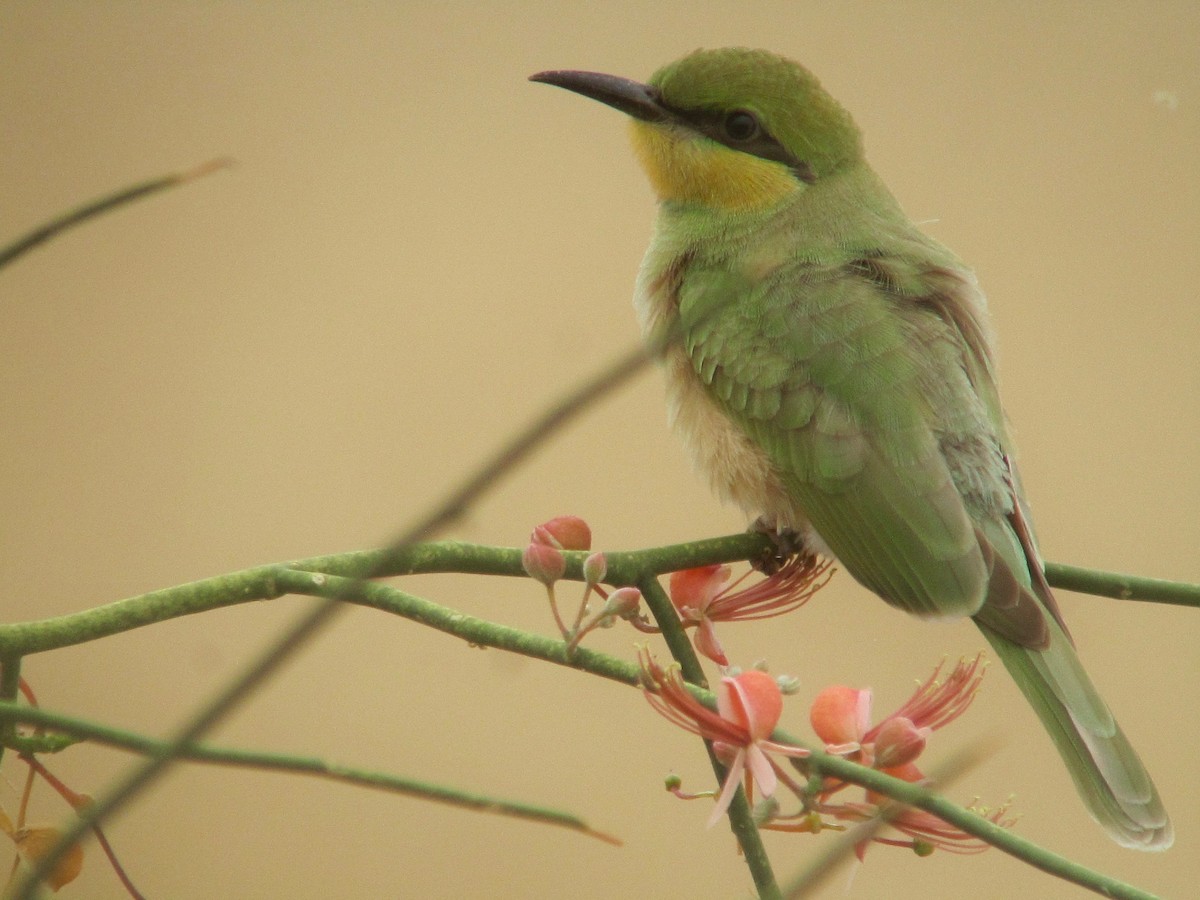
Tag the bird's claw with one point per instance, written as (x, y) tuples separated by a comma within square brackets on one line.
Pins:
[(785, 544)]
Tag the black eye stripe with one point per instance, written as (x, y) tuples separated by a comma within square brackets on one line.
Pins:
[(713, 124)]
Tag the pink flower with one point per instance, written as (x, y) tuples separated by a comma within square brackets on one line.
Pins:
[(841, 715), (748, 709), (841, 718), (702, 597)]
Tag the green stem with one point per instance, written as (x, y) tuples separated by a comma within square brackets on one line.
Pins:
[(741, 818), (12, 714), (1122, 587), (624, 568), (976, 825), (10, 685)]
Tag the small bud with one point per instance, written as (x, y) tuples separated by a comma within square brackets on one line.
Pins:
[(623, 603), (788, 684), (595, 567), (922, 848), (567, 532), (673, 782), (543, 563)]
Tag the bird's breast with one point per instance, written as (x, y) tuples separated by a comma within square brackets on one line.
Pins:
[(738, 469)]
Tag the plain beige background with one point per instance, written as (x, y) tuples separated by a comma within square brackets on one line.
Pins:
[(416, 251)]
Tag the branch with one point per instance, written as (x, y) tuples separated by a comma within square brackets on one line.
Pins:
[(481, 632), (12, 714), (263, 583), (741, 818), (55, 227), (1122, 587), (312, 623), (625, 567)]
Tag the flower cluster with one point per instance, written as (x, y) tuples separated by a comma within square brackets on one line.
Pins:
[(748, 704), (543, 560), (841, 718)]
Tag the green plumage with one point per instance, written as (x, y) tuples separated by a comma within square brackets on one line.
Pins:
[(836, 378)]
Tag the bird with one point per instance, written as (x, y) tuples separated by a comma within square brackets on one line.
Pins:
[(833, 372)]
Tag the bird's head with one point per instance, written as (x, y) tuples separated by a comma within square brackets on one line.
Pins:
[(730, 129)]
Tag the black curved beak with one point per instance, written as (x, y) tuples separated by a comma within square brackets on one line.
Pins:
[(631, 97)]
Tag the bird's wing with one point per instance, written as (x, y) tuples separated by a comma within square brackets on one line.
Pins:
[(876, 403), (846, 387)]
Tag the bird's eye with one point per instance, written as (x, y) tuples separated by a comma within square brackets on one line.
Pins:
[(740, 125)]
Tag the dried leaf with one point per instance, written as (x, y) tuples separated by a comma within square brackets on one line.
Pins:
[(34, 843)]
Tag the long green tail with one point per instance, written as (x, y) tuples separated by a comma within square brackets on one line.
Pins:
[(1106, 770)]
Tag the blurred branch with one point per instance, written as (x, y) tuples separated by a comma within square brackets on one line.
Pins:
[(456, 502), (55, 227), (79, 729)]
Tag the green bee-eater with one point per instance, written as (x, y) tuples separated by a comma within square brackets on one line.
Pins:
[(835, 378)]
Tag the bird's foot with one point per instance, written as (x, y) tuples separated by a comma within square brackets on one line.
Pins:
[(785, 543)]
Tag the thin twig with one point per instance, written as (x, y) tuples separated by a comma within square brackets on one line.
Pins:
[(55, 227), (13, 713)]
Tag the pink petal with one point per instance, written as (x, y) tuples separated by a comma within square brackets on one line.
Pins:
[(761, 769), (732, 779), (564, 532), (840, 715), (697, 587), (543, 563), (752, 700), (707, 644)]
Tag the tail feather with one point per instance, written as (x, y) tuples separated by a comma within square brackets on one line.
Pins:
[(1106, 769)]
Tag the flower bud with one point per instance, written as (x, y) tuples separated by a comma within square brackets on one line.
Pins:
[(788, 684), (566, 532), (623, 603), (595, 567), (543, 563)]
